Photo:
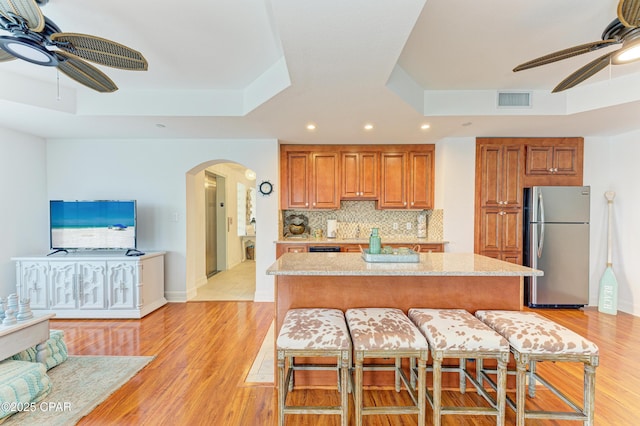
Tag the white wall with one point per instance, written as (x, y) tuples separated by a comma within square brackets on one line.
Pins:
[(455, 189), (155, 173), (624, 173), (597, 161), (24, 208)]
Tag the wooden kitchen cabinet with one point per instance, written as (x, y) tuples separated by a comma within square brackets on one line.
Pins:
[(554, 162), (320, 176), (360, 175), (295, 180), (421, 180), (290, 248), (407, 179), (501, 234), (550, 160), (309, 180), (504, 167), (499, 188), (325, 180), (393, 185), (500, 175), (431, 248)]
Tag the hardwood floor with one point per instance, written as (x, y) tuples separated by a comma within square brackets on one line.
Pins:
[(204, 351)]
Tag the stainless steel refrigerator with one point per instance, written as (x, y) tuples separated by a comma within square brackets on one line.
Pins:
[(556, 241)]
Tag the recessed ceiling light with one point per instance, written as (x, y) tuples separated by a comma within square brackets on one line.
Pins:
[(368, 126), (425, 126), (311, 126)]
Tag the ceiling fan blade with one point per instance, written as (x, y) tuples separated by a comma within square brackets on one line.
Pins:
[(629, 13), (100, 51), (28, 9), (584, 73), (6, 56), (85, 73), (566, 53)]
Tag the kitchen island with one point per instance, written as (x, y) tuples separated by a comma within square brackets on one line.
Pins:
[(439, 280)]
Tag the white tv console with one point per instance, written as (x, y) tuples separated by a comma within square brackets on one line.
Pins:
[(92, 284)]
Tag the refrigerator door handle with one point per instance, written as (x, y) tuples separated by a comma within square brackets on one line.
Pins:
[(541, 239)]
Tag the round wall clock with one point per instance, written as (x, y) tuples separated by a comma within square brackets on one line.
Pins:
[(265, 187)]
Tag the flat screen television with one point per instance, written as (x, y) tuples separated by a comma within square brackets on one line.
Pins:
[(99, 224)]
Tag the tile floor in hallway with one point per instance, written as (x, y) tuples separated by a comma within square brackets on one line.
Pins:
[(237, 283)]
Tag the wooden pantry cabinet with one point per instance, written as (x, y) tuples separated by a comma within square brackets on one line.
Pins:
[(499, 200), (504, 167)]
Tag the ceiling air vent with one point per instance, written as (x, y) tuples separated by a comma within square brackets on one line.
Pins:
[(514, 99)]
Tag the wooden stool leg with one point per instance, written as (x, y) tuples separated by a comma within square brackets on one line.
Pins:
[(422, 389), (293, 373), (344, 386), (479, 363), (532, 379), (501, 391), (521, 373), (397, 373), (437, 388), (357, 392), (462, 379), (589, 392), (282, 391)]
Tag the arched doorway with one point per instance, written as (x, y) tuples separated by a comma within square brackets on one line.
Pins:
[(218, 198)]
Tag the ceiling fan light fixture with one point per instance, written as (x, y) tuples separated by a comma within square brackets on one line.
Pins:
[(629, 52), (28, 50)]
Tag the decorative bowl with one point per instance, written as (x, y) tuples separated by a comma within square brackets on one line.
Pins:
[(296, 229)]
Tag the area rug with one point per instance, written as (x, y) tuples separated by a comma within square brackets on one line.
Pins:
[(262, 369), (80, 384)]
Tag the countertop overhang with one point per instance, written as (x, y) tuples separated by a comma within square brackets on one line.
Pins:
[(408, 240), (430, 264)]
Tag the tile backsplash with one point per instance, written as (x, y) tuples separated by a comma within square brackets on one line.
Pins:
[(361, 216)]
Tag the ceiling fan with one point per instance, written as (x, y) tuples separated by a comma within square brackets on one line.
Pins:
[(36, 39), (625, 30)]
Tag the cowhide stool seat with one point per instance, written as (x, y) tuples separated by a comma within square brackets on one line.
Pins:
[(455, 333), (387, 333), (533, 338), (313, 333)]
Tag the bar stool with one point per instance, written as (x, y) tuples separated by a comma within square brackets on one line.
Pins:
[(313, 332), (533, 338), (455, 333), (387, 333)]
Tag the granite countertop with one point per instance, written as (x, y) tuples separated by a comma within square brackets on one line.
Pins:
[(399, 239), (434, 264)]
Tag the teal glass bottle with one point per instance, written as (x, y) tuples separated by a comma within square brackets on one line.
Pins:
[(374, 242)]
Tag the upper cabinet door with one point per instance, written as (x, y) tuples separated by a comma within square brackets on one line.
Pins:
[(295, 181), (511, 185), (554, 162), (393, 187), (325, 180), (360, 175), (500, 175), (421, 165)]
